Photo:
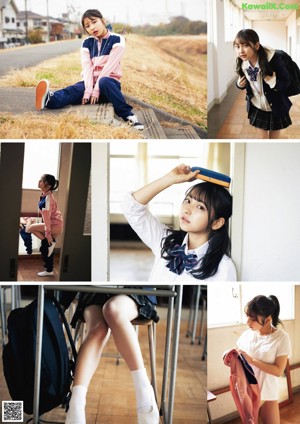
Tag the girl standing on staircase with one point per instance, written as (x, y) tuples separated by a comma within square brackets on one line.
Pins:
[(101, 54), (52, 225), (263, 73), (200, 248)]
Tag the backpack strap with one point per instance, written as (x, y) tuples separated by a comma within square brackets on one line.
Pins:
[(65, 322)]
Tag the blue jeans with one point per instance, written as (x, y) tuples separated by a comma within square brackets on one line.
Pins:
[(110, 92)]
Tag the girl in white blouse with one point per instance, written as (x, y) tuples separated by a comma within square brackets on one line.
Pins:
[(201, 247), (266, 348)]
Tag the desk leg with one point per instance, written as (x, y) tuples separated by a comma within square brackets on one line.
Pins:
[(164, 409), (38, 354), (175, 343)]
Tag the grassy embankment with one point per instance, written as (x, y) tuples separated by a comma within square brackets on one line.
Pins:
[(166, 72)]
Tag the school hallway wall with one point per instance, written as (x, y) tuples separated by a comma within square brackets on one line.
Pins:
[(266, 193)]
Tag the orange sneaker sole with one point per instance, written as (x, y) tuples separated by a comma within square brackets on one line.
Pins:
[(40, 92)]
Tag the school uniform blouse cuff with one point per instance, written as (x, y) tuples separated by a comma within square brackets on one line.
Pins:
[(272, 82)]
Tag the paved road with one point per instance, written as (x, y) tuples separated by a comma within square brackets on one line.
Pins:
[(24, 57)]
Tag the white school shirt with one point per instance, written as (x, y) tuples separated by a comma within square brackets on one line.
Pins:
[(151, 232), (266, 349)]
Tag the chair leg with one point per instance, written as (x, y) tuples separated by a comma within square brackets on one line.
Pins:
[(152, 349), (204, 307), (198, 292)]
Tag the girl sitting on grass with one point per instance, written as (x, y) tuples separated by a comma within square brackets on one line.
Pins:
[(101, 54)]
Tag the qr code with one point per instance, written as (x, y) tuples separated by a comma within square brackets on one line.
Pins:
[(12, 411)]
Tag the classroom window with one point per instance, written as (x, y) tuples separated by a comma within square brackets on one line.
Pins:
[(235, 20), (133, 165), (39, 161)]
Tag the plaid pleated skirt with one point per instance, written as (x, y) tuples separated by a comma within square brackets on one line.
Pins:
[(266, 121), (145, 305)]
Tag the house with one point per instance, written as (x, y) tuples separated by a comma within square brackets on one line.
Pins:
[(9, 32), (60, 29)]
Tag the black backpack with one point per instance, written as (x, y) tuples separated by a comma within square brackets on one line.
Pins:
[(294, 88), (19, 356)]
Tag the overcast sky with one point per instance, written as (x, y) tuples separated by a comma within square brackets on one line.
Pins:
[(126, 11)]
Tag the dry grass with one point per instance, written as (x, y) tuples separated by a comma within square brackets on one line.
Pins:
[(166, 72), (63, 126), (50, 69), (169, 73)]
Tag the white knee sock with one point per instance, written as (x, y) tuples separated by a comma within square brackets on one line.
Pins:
[(76, 412), (145, 401)]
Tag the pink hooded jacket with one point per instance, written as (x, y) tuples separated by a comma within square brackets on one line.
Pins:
[(244, 387), (50, 213)]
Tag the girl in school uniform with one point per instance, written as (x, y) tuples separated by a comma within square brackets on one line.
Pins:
[(52, 225), (101, 54), (104, 315), (201, 247), (266, 348), (263, 73)]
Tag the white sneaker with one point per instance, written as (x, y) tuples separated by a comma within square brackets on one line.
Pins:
[(41, 94), (45, 274), (133, 120), (51, 248)]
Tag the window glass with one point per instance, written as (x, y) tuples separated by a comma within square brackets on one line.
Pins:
[(133, 165), (226, 305), (39, 161)]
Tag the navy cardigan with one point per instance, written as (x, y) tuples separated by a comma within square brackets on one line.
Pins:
[(278, 100)]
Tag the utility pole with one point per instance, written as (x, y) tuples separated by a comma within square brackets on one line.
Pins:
[(26, 23), (48, 22)]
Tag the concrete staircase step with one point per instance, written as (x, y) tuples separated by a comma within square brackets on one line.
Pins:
[(153, 129), (185, 132), (100, 113)]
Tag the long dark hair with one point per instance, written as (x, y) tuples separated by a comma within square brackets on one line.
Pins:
[(248, 36), (51, 181), (219, 205), (264, 306)]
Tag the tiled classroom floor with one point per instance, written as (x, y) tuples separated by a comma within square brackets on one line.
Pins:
[(229, 119)]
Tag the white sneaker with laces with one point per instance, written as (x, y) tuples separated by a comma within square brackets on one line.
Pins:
[(45, 274), (133, 120)]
